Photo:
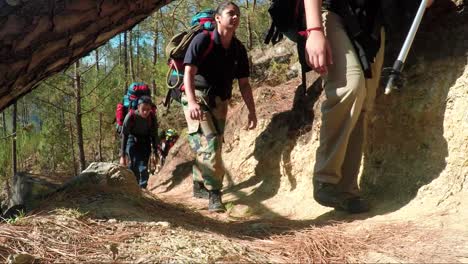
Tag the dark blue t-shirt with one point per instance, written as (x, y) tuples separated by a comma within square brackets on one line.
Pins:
[(221, 66)]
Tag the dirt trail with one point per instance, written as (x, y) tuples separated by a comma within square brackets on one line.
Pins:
[(414, 171), (428, 228)]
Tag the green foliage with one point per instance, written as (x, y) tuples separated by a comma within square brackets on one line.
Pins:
[(259, 23), (16, 219), (5, 161), (276, 73)]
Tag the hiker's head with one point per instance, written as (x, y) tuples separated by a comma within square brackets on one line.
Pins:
[(144, 106), (227, 15), (170, 133)]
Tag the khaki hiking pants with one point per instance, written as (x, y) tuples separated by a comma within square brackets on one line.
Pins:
[(205, 138), (349, 96)]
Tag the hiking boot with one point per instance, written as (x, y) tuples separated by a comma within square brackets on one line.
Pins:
[(200, 191), (215, 204), (327, 194)]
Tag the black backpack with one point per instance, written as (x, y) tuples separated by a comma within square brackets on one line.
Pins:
[(287, 18)]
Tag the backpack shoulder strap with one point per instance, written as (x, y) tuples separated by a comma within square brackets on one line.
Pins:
[(210, 45), (150, 120), (132, 117)]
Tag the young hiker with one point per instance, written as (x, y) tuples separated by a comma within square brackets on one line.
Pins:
[(167, 141), (208, 88), (350, 90), (139, 134)]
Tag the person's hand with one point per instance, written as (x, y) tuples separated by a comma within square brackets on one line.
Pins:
[(429, 3), (318, 52), (252, 121), (195, 110), (159, 153), (154, 159), (123, 161)]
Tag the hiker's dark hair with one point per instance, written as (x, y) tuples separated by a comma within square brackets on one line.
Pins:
[(145, 100), (223, 6)]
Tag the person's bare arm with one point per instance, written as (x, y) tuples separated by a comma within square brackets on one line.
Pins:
[(246, 92), (189, 86), (318, 51)]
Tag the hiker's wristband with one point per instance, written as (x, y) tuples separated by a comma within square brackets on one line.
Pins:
[(306, 32), (313, 29)]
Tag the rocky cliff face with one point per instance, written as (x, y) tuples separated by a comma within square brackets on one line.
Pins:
[(416, 157), (40, 38)]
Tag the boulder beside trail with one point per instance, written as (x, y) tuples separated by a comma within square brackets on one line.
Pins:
[(24, 190), (105, 175)]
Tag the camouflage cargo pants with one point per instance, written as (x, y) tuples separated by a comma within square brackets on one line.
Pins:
[(205, 138)]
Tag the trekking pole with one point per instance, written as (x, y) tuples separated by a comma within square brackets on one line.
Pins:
[(400, 61)]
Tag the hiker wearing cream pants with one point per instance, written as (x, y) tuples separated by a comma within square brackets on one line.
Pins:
[(349, 98), (349, 95)]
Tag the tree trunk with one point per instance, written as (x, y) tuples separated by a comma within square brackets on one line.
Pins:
[(137, 43), (249, 25), (13, 140), (4, 123), (115, 139), (120, 49), (125, 58), (130, 55), (249, 33), (72, 144), (105, 63), (78, 115), (97, 61), (100, 137), (26, 112), (155, 53)]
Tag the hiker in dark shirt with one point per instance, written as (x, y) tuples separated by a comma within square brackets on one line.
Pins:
[(350, 89), (208, 83), (139, 134)]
